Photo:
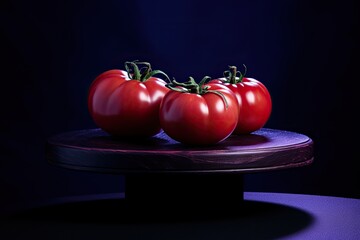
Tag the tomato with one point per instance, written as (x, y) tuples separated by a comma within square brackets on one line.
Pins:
[(254, 99), (198, 114), (126, 103)]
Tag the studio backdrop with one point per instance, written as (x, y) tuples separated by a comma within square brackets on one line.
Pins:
[(304, 52)]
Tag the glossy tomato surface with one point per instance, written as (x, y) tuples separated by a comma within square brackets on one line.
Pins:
[(255, 104), (196, 119), (126, 107)]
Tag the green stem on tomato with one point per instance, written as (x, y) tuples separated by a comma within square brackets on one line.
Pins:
[(134, 70), (230, 75), (144, 73), (154, 72), (192, 87), (202, 82)]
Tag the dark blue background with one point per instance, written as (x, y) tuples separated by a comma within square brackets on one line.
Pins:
[(304, 51)]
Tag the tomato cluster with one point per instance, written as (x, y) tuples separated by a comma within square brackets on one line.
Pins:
[(135, 104)]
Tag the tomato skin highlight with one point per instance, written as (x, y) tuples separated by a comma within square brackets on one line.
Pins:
[(195, 119), (255, 104), (125, 107)]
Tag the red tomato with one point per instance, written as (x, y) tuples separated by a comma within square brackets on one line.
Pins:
[(255, 104), (201, 115), (127, 104)]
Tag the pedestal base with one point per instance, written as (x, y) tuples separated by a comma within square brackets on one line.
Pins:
[(191, 192)]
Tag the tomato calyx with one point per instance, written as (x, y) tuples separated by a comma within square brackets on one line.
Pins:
[(142, 73), (231, 75), (191, 86)]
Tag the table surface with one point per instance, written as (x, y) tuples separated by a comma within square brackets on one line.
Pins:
[(263, 150), (264, 216)]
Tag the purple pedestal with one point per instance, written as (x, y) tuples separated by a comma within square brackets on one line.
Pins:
[(160, 170)]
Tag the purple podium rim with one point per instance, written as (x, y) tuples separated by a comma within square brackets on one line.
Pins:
[(264, 150)]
